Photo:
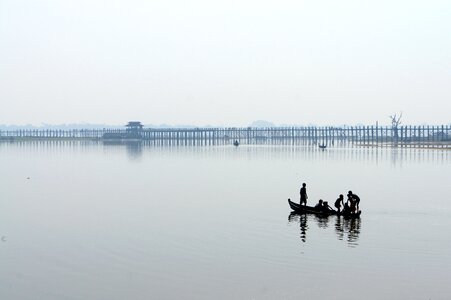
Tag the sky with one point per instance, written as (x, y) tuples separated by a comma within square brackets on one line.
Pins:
[(225, 63)]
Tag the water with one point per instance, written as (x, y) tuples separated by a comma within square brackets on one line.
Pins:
[(86, 220)]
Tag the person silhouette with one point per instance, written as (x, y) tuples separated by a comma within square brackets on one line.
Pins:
[(319, 205), (303, 193), (354, 198), (339, 202)]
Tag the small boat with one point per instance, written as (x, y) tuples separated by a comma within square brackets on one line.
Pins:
[(322, 146), (236, 143), (304, 209)]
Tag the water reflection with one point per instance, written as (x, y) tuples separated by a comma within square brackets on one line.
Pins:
[(398, 157), (322, 221), (346, 229), (304, 226), (134, 149), (303, 221)]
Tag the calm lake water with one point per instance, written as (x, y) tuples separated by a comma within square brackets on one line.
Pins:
[(87, 220)]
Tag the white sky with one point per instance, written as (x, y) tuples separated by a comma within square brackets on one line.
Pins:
[(225, 62)]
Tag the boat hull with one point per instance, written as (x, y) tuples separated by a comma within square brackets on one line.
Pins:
[(304, 209)]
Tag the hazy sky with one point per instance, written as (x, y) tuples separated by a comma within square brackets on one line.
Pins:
[(224, 62)]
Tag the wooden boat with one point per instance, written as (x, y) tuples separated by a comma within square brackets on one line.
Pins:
[(322, 146), (304, 209), (236, 143)]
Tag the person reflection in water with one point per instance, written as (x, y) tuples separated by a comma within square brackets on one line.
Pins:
[(303, 193), (302, 218), (303, 224), (348, 229), (339, 202)]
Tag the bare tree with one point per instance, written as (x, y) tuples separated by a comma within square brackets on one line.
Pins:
[(395, 122)]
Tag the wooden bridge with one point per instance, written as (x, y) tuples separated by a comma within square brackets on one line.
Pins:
[(403, 136)]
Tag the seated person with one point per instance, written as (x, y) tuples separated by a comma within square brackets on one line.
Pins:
[(319, 205), (326, 206)]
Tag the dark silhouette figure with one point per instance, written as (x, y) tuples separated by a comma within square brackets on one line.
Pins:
[(319, 205), (354, 199), (352, 204), (347, 208), (339, 202), (303, 193)]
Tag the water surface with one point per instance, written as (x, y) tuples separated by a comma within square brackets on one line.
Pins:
[(87, 220)]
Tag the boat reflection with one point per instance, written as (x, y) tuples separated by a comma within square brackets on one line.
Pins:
[(346, 229), (322, 221)]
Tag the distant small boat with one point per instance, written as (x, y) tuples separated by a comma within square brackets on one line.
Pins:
[(236, 143), (301, 209), (322, 146)]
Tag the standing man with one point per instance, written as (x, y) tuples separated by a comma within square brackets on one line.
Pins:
[(303, 193)]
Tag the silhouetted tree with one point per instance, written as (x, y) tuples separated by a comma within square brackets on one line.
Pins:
[(395, 122)]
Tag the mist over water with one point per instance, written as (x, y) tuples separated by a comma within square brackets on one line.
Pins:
[(88, 220)]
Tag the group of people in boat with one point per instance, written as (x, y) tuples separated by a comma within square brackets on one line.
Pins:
[(351, 206)]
